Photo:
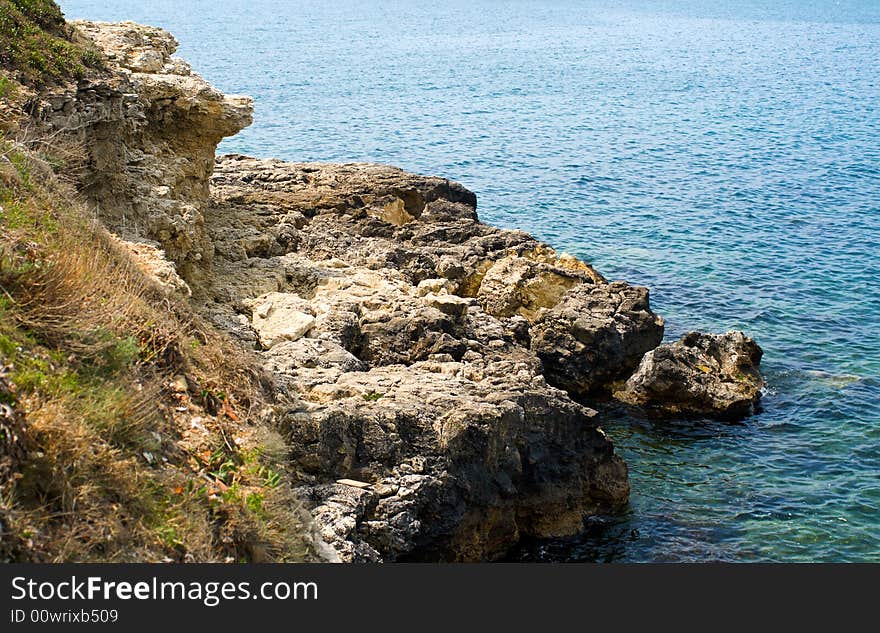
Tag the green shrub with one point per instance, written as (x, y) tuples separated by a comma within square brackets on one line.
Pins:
[(37, 44)]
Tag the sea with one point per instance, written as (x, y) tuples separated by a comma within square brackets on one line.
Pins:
[(724, 154)]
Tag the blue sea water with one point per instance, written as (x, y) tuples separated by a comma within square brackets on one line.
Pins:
[(725, 154)]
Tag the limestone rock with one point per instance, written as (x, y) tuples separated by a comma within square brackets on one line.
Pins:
[(714, 375), (149, 128), (151, 260), (465, 467), (448, 304), (280, 316), (337, 516), (595, 335), (406, 381), (518, 285)]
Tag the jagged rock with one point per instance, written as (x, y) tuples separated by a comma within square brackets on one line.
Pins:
[(433, 286), (338, 510), (517, 285), (406, 380), (465, 466), (713, 375), (448, 304), (595, 335)]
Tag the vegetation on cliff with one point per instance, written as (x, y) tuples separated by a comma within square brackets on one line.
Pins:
[(103, 379), (128, 427), (38, 46)]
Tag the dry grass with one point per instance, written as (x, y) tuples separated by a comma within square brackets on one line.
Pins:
[(128, 427)]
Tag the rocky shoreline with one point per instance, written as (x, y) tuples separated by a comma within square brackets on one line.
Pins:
[(431, 373)]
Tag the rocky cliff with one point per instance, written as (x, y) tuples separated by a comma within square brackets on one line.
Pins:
[(431, 374), (149, 128)]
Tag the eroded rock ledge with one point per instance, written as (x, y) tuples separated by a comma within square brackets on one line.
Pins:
[(399, 331), (424, 363), (147, 132)]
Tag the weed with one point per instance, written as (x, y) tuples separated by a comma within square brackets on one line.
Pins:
[(8, 88)]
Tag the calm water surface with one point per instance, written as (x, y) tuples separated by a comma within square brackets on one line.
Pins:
[(728, 158)]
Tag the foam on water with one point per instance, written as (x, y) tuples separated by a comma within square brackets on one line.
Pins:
[(728, 157)]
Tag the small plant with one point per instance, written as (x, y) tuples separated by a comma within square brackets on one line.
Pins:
[(372, 396), (20, 162), (169, 535), (222, 467), (254, 503), (124, 352), (8, 88)]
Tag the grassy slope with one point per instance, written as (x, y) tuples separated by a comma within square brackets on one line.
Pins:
[(125, 422)]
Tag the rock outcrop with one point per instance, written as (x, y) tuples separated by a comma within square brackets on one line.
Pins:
[(595, 335), (148, 132), (713, 375), (452, 467), (402, 359)]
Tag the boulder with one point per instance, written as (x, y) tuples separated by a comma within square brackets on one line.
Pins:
[(712, 375), (448, 304), (595, 335)]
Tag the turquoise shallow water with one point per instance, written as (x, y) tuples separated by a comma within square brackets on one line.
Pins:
[(728, 158)]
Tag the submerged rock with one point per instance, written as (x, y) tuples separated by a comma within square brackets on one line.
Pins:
[(714, 375)]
